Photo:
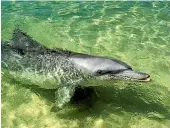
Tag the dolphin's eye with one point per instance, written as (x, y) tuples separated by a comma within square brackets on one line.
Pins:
[(103, 72)]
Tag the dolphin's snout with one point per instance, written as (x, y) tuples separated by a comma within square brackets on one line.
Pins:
[(146, 77), (142, 76), (133, 75)]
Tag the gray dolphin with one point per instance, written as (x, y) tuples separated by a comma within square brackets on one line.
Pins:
[(28, 61)]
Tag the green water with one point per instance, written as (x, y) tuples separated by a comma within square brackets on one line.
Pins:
[(135, 32)]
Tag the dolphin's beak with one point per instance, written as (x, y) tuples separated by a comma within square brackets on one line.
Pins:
[(133, 75), (146, 79)]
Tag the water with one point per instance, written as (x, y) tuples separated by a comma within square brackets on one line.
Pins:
[(135, 32)]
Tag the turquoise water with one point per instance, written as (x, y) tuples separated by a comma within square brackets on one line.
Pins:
[(135, 32)]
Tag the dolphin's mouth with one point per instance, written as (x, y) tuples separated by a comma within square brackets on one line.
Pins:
[(133, 75), (146, 79)]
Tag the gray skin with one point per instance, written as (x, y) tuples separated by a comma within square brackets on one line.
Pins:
[(27, 60)]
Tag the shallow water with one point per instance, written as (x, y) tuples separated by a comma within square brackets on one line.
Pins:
[(135, 32)]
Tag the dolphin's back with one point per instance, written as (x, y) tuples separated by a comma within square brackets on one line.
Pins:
[(27, 59)]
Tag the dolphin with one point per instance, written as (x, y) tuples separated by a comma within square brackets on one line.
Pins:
[(32, 63)]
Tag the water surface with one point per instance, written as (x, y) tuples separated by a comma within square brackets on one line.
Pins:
[(135, 32)]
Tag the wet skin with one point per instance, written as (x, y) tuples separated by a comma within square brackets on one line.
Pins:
[(61, 69)]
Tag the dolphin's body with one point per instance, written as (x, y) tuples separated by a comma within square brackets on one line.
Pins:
[(59, 69)]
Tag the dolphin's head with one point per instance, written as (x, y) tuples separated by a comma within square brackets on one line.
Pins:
[(122, 74), (109, 69)]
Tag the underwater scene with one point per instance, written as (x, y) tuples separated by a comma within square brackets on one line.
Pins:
[(134, 32)]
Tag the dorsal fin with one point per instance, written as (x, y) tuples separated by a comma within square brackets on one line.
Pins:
[(23, 41)]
